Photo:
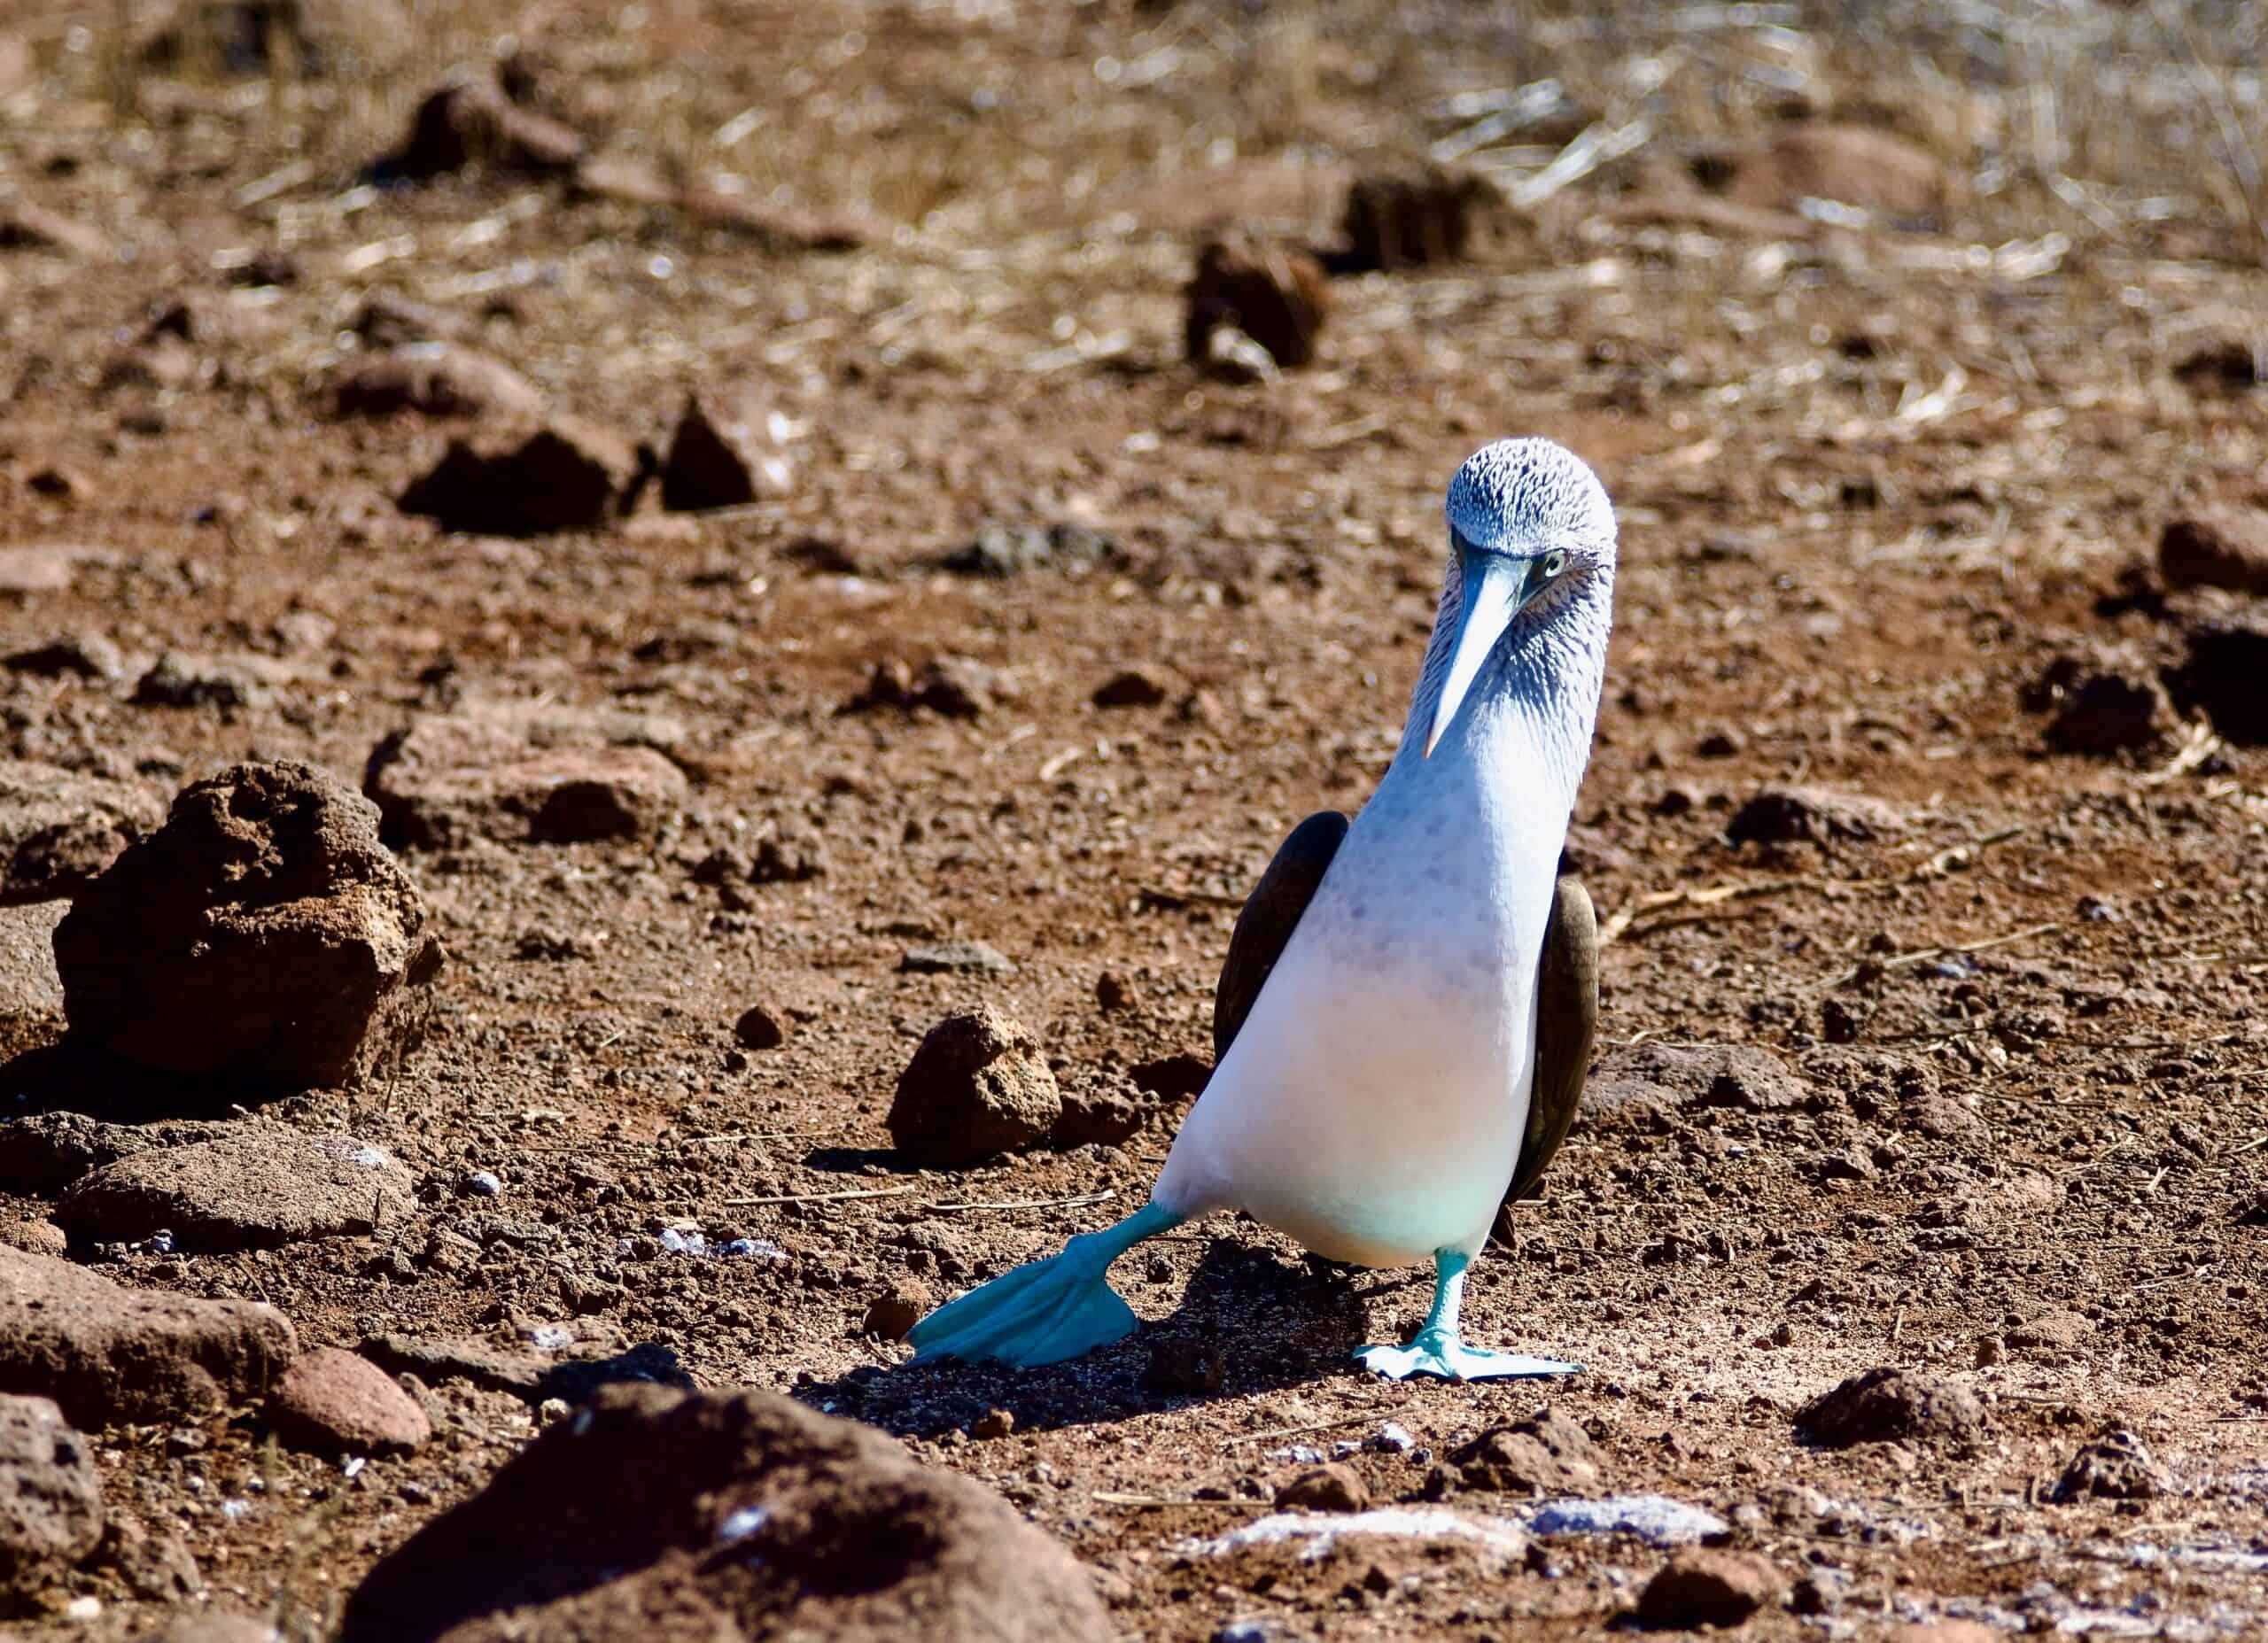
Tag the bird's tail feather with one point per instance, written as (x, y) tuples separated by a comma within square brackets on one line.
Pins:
[(1045, 1312)]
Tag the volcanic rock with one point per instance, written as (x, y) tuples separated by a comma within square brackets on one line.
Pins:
[(1548, 1455), (978, 1085), (1884, 1405), (723, 1515), (2222, 674), (1817, 816), (1133, 687), (1275, 294), (107, 1353), (50, 1500), (758, 1028), (434, 379), (445, 780), (470, 122), (176, 679), (1712, 1075), (955, 958), (1408, 219), (1100, 1109), (59, 829), (716, 461), (564, 476), (1335, 1488), (2227, 547), (261, 1188), (2117, 1465), (2105, 702), (41, 1153), (892, 1315), (262, 931), (335, 1402), (2228, 365), (28, 983), (1709, 1587)]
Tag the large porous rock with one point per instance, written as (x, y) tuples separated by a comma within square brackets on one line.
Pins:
[(105, 1354), (978, 1085), (262, 932), (1887, 1405), (261, 1189), (720, 1517), (1275, 294), (60, 829), (29, 986), (564, 476), (447, 780), (50, 1501), (41, 1153)]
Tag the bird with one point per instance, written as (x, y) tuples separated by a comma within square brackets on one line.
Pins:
[(1405, 1015)]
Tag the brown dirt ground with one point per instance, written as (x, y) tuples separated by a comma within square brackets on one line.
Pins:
[(1871, 482)]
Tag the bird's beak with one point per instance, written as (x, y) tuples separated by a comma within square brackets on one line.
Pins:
[(1496, 586)]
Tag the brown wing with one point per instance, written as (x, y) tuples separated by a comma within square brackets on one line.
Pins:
[(1271, 912), (1566, 1019)]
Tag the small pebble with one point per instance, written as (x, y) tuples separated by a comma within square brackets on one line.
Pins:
[(1392, 1440), (483, 1183), (994, 1424)]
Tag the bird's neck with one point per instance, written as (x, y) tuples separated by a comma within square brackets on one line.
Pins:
[(1525, 729)]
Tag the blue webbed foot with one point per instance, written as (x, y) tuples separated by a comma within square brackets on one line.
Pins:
[(1046, 1312), (1437, 1348), (1439, 1352)]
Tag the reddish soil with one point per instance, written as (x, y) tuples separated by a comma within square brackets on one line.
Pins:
[(1872, 480)]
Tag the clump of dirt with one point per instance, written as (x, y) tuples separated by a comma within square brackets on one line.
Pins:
[(1884, 1406), (262, 932), (977, 1086), (713, 1512)]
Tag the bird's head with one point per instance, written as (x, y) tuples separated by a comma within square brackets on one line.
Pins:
[(1532, 544)]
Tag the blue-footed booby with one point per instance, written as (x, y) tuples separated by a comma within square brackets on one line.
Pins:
[(1405, 1015)]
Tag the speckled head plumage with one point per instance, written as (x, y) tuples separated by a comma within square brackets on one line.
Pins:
[(1529, 496), (1530, 588)]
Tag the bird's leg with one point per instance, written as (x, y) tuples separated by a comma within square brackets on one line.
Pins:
[(1437, 1349)]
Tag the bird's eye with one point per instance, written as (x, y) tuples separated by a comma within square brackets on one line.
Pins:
[(1555, 564)]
